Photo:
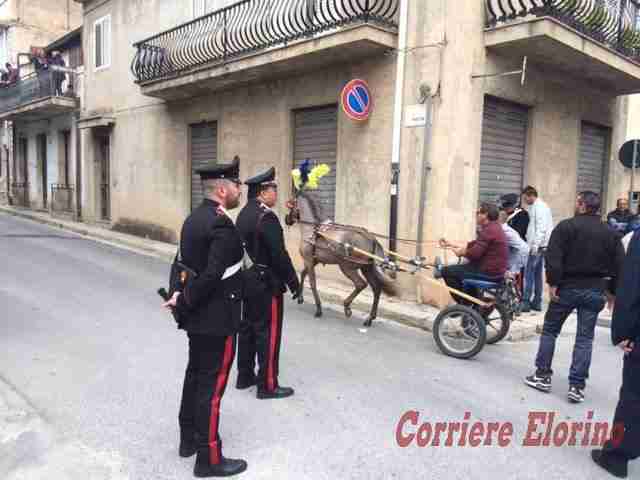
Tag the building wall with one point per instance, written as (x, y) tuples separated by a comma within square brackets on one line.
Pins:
[(150, 174), (52, 128)]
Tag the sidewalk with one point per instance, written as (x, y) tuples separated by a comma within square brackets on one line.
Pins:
[(407, 313)]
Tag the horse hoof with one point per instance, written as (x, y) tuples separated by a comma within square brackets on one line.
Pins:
[(347, 312), (318, 314), (368, 322), (300, 300)]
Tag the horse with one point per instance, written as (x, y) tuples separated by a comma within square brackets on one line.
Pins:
[(323, 242)]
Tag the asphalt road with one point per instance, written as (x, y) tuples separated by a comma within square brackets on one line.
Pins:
[(91, 371)]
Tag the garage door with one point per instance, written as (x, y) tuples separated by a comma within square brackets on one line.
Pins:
[(502, 154), (594, 146), (204, 151), (316, 138)]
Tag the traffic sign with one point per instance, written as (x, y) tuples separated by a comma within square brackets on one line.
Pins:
[(356, 100), (627, 151)]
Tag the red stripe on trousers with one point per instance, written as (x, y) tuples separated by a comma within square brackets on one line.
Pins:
[(273, 338), (214, 420)]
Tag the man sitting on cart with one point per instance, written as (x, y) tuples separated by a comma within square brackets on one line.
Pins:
[(487, 255)]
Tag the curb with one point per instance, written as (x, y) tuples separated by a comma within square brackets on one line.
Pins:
[(409, 314)]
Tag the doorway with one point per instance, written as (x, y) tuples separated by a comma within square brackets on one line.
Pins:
[(104, 172), (41, 145)]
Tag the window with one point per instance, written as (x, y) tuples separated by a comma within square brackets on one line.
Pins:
[(102, 42), (200, 7)]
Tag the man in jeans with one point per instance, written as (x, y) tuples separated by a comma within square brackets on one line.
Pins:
[(583, 259), (538, 233)]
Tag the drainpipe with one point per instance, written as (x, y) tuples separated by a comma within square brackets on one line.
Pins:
[(78, 146), (397, 122), (425, 169)]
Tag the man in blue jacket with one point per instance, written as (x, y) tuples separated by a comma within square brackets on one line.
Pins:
[(625, 333)]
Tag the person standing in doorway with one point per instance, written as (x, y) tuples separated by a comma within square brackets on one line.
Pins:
[(583, 261), (538, 233), (261, 329)]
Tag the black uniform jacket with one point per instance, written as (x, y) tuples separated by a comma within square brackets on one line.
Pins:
[(271, 250), (211, 245), (520, 223), (625, 324)]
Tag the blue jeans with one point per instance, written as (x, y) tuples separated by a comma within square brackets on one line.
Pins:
[(533, 280), (589, 303)]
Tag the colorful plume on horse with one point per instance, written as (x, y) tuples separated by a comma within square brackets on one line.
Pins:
[(303, 178)]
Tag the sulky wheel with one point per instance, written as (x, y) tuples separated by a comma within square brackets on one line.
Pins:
[(460, 331), (498, 321)]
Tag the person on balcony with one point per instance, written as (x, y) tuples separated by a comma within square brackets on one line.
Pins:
[(58, 76), (10, 76)]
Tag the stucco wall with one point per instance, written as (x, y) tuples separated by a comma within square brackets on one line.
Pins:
[(52, 128)]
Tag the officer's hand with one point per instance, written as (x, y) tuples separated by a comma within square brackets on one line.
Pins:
[(626, 346), (172, 301), (553, 293)]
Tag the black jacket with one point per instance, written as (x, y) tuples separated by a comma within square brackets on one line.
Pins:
[(625, 324), (256, 221), (583, 252), (210, 244), (520, 223)]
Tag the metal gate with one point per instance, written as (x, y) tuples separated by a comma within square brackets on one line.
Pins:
[(502, 154), (594, 147), (204, 151), (316, 138)]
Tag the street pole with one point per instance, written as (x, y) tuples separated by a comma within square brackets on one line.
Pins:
[(633, 172)]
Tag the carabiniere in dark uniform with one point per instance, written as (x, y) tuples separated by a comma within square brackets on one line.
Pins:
[(209, 307), (261, 328)]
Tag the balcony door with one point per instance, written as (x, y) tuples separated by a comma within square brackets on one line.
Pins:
[(104, 175)]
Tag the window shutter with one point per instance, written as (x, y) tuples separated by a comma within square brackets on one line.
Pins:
[(98, 44), (107, 40)]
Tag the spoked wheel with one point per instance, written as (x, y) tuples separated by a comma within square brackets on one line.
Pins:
[(498, 321), (460, 331)]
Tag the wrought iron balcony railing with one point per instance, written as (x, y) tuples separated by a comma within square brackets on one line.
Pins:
[(614, 23), (249, 26), (37, 86)]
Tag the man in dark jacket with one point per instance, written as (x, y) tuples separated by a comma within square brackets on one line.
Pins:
[(517, 218), (625, 333), (619, 218), (488, 255), (261, 328), (582, 261), (210, 305)]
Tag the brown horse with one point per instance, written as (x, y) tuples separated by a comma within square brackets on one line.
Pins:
[(328, 247)]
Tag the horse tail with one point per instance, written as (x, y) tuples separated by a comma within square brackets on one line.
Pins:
[(388, 285)]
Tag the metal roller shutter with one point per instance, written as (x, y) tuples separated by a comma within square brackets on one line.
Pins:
[(594, 145), (502, 154), (204, 150), (316, 138)]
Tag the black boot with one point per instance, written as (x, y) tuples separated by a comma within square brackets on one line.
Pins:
[(245, 381), (187, 444), (226, 468), (278, 392), (187, 449), (617, 468)]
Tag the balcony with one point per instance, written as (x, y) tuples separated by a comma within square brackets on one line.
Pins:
[(595, 41), (254, 40), (37, 96)]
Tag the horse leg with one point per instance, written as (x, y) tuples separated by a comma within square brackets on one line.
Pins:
[(303, 275), (370, 275), (360, 284), (312, 280)]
